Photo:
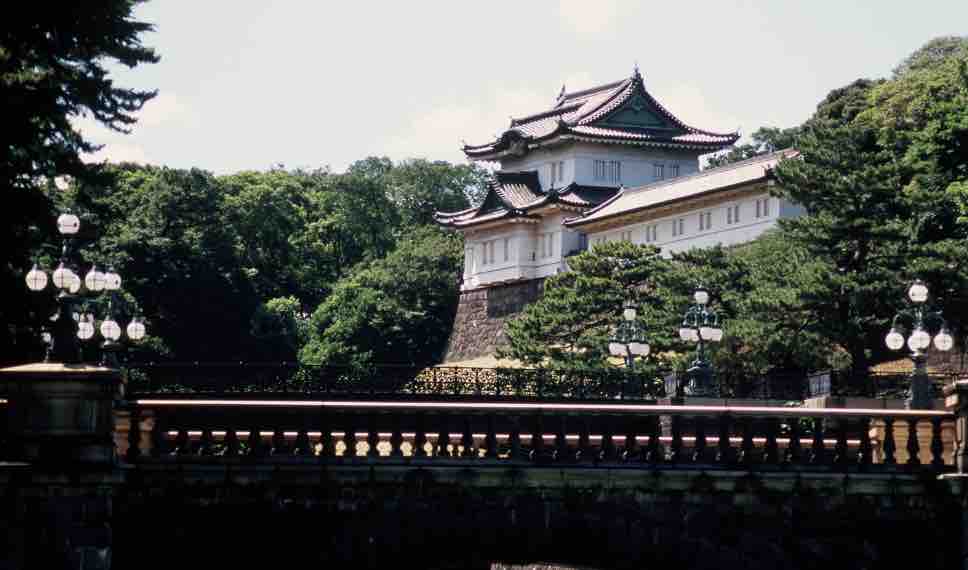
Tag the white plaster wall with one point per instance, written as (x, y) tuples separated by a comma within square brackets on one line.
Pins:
[(747, 229), (638, 164)]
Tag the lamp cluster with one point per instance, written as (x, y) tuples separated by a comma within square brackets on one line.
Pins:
[(700, 324), (629, 339), (920, 338), (69, 323)]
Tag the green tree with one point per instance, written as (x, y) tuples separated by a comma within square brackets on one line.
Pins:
[(165, 231), (569, 326), (398, 309), (53, 69), (850, 187), (420, 187), (765, 140)]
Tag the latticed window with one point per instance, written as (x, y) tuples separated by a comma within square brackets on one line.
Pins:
[(608, 170)]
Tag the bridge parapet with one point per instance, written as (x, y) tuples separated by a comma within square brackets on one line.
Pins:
[(629, 435)]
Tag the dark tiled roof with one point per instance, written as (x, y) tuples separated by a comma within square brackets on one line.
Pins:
[(513, 194), (583, 115)]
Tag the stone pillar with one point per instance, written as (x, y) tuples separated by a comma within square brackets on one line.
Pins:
[(956, 400), (60, 472), (62, 413)]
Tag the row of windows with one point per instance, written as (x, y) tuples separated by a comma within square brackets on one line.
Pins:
[(608, 170), (705, 222), (659, 173), (489, 247)]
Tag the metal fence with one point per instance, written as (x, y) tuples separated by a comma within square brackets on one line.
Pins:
[(499, 383)]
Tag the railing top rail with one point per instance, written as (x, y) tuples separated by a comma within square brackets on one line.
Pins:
[(534, 407)]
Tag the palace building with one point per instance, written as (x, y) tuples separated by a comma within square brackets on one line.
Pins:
[(605, 163)]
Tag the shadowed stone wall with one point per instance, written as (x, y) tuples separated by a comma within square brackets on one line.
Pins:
[(481, 314)]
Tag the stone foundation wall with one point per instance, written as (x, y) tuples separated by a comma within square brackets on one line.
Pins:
[(481, 313)]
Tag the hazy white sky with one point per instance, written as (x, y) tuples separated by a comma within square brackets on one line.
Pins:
[(251, 84)]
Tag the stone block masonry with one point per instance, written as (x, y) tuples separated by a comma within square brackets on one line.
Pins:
[(481, 313)]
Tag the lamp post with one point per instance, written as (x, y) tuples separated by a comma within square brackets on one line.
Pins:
[(70, 326), (629, 341), (700, 325), (921, 320)]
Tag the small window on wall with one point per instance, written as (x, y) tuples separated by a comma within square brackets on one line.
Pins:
[(763, 208), (651, 233), (507, 248), (659, 171), (705, 221), (675, 170), (678, 227), (561, 171), (626, 236), (732, 214)]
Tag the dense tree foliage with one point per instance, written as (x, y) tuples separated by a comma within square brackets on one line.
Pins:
[(53, 69), (231, 267), (397, 309), (569, 326)]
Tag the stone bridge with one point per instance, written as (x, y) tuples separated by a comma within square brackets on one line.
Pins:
[(91, 478)]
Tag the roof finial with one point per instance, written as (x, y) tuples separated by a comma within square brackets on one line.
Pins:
[(635, 72), (562, 92)]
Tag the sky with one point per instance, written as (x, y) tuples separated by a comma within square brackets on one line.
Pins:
[(309, 84)]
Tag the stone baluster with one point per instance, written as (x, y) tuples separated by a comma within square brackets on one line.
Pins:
[(420, 436), (538, 452), (134, 435), (183, 445), (913, 448), (653, 449), (490, 439), (699, 447), (629, 453), (818, 453), (956, 401), (372, 436), (607, 450), (675, 447), (277, 443), (206, 443), (840, 448), (159, 437), (327, 446), (865, 454), (794, 451), (584, 452), (396, 438), (231, 443), (746, 446), (562, 452), (937, 445), (302, 445), (514, 438), (889, 446), (771, 451), (467, 440), (349, 438), (443, 437), (725, 453)]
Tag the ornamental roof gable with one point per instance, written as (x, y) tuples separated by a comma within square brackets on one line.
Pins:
[(518, 194), (618, 112)]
